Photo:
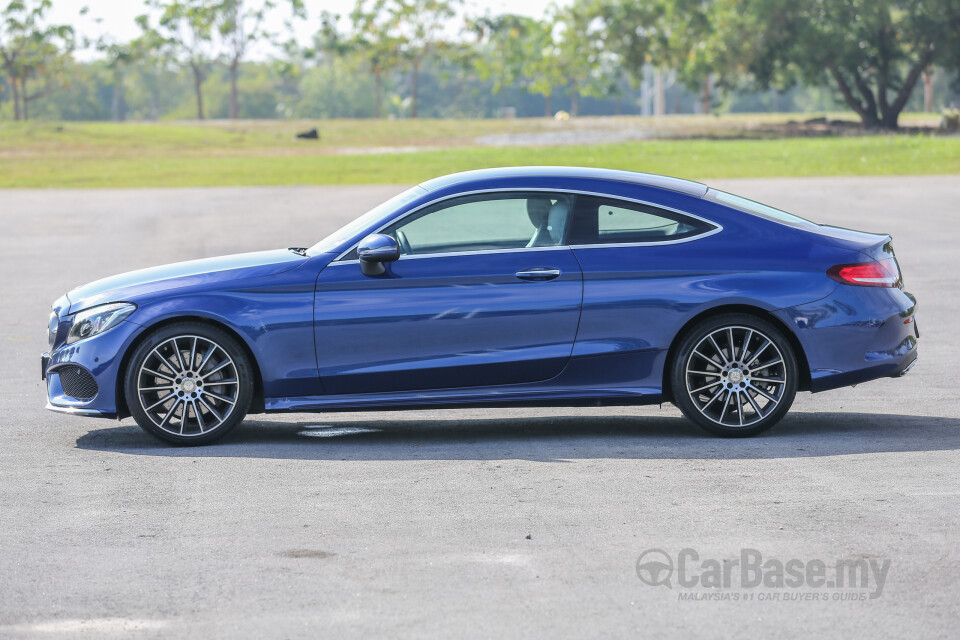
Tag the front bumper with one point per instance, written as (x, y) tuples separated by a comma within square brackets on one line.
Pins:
[(79, 411), (101, 357)]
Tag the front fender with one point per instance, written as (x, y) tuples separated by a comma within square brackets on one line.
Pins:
[(275, 325)]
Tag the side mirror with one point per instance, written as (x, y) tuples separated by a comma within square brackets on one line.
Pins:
[(374, 250)]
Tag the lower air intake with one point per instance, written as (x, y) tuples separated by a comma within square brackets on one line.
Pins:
[(77, 383)]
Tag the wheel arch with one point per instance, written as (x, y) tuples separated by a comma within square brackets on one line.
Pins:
[(257, 402), (758, 312)]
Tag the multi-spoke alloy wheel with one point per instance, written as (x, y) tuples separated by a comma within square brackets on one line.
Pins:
[(188, 386), (735, 375)]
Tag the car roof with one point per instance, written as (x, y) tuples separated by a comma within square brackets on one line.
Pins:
[(687, 187)]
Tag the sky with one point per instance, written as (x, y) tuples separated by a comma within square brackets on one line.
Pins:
[(117, 15)]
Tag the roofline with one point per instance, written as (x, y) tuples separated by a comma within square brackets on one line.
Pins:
[(680, 185)]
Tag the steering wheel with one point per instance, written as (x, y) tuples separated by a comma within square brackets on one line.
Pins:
[(405, 248)]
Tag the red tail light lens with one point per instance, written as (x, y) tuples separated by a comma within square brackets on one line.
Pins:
[(882, 273)]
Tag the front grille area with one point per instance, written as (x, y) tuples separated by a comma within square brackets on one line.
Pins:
[(77, 383)]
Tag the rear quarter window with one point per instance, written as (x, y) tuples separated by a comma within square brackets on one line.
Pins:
[(599, 220)]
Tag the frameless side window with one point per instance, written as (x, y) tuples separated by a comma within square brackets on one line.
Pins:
[(609, 221), (485, 222)]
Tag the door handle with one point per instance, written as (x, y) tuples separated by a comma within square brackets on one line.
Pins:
[(539, 273)]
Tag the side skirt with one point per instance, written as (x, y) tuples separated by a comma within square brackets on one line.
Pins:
[(457, 399)]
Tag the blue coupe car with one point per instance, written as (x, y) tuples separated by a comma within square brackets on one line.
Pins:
[(525, 286)]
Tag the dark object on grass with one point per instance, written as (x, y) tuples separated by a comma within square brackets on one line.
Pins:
[(312, 134)]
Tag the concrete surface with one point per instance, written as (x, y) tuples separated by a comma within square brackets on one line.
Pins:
[(488, 523)]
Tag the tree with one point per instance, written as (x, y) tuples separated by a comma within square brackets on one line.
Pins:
[(117, 57), (240, 24), (378, 47), (670, 34), (330, 44), (187, 29), (687, 28), (29, 48), (873, 52), (541, 65), (581, 52), (634, 31), (414, 28), (502, 55)]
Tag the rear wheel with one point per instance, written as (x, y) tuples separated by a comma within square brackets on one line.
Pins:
[(734, 375), (189, 383)]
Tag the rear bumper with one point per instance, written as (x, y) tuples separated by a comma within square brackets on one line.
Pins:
[(905, 369), (856, 334)]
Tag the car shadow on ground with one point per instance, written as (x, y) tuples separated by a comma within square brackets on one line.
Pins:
[(553, 438)]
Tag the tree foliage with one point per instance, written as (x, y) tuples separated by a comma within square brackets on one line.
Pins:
[(32, 50), (389, 54), (873, 52)]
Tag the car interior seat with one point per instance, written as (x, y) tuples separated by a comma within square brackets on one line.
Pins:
[(549, 220)]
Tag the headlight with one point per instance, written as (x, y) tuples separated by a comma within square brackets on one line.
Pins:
[(52, 324), (96, 320)]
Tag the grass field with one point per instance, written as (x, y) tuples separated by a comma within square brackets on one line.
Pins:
[(404, 152)]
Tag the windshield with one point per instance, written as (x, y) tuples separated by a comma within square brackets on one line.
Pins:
[(757, 209), (335, 239)]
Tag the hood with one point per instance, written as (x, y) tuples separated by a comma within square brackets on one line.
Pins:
[(128, 286)]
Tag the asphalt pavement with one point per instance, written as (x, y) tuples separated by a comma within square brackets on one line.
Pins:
[(472, 523)]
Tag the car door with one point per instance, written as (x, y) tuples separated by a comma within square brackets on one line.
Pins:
[(643, 271), (484, 293)]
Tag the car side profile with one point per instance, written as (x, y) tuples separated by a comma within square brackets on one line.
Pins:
[(529, 286)]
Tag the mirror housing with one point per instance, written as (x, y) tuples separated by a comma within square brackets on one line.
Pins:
[(374, 250)]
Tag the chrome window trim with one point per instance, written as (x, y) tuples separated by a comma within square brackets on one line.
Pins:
[(717, 228), (464, 253)]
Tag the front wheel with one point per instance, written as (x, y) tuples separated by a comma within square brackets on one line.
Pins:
[(188, 383), (734, 375)]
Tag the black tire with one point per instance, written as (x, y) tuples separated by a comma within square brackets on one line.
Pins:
[(705, 369), (207, 413)]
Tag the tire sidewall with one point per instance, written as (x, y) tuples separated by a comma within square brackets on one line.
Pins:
[(226, 342), (691, 338)]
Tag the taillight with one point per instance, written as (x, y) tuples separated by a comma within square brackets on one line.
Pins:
[(881, 273)]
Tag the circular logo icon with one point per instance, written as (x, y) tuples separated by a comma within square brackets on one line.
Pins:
[(655, 567)]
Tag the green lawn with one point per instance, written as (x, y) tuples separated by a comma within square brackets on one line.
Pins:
[(256, 153)]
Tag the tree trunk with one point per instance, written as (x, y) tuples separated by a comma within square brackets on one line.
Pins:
[(890, 121), (889, 114), (334, 112), (23, 96), (548, 108), (414, 81), (705, 104), (928, 90), (660, 94), (378, 84), (867, 117), (892, 113), (116, 105), (16, 97), (574, 100), (197, 87), (234, 71)]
